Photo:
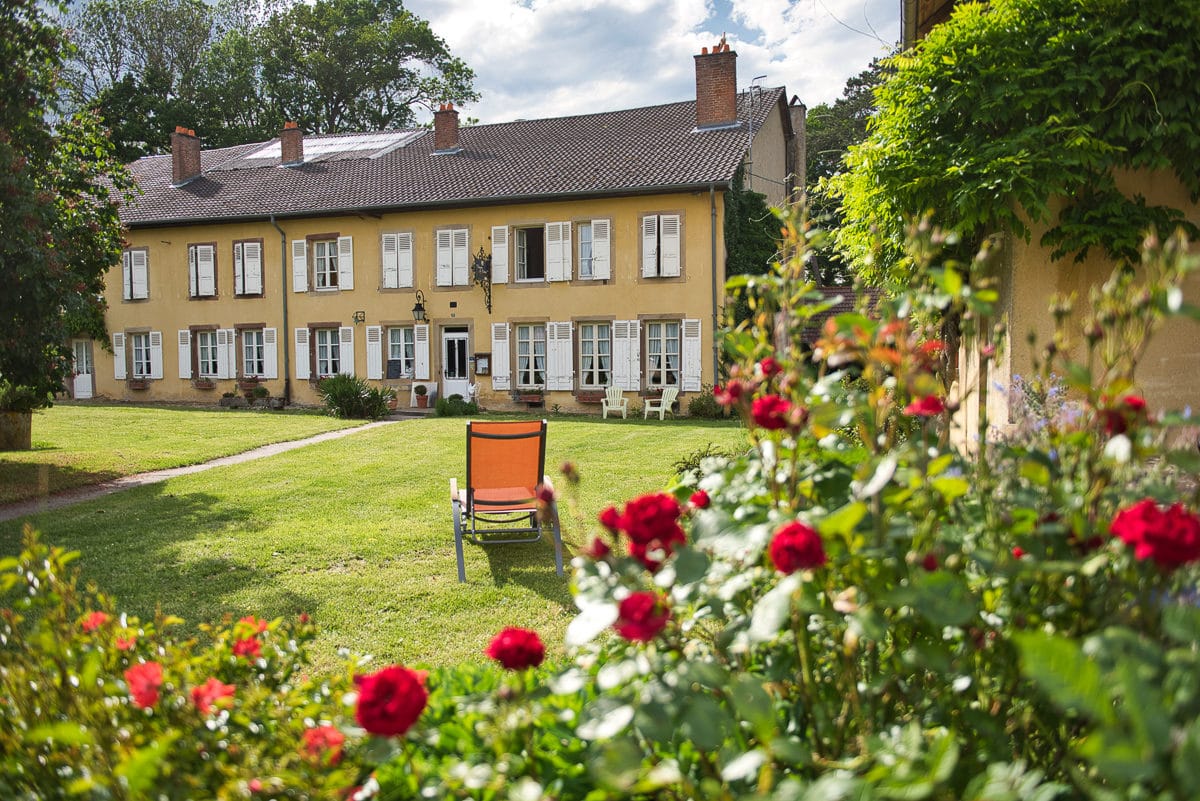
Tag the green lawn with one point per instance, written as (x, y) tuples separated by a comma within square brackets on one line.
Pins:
[(357, 532), (74, 445)]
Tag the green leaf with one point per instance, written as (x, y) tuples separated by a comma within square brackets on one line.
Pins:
[(844, 520), (1058, 666), (773, 610), (64, 733), (1182, 623), (1035, 473), (616, 764), (691, 565), (951, 488), (604, 719), (744, 767), (754, 706), (140, 768), (705, 723), (942, 598)]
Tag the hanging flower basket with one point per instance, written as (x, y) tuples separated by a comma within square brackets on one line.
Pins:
[(204, 383)]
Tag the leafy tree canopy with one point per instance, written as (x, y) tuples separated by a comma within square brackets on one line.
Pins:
[(1007, 108), (236, 71), (59, 230)]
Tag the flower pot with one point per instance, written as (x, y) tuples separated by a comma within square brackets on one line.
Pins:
[(422, 401), (15, 431), (138, 383)]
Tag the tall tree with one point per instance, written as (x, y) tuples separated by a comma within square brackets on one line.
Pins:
[(59, 230)]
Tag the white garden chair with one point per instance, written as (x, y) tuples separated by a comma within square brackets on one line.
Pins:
[(663, 405), (614, 401)]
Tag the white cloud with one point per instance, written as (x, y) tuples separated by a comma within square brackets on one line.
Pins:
[(548, 58)]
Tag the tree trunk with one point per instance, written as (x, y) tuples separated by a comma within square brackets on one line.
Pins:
[(15, 434)]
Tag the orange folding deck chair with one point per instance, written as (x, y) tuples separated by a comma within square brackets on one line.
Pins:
[(505, 465)]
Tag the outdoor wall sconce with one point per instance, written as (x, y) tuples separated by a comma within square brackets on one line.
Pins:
[(419, 308), (481, 273), (360, 317)]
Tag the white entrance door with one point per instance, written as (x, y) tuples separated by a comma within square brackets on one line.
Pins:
[(456, 375), (81, 389)]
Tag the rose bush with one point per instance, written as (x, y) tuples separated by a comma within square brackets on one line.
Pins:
[(852, 609)]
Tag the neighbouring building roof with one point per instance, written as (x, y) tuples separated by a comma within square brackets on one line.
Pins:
[(848, 302), (632, 151)]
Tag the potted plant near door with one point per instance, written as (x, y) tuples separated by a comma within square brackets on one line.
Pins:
[(422, 393)]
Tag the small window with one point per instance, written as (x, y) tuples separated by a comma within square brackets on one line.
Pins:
[(328, 352), (662, 354), (531, 254), (202, 271), (585, 251), (325, 263), (206, 354), (253, 353), (140, 353), (135, 279), (247, 268), (595, 355), (531, 355), (401, 355)]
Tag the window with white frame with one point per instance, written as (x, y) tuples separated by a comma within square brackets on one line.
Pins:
[(660, 245), (595, 355), (401, 353), (202, 271), (206, 354), (662, 353), (328, 352), (325, 263), (135, 278), (585, 250), (531, 254), (531, 355), (247, 268), (139, 345), (453, 253), (254, 362)]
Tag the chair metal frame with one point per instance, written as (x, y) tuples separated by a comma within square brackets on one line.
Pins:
[(503, 519)]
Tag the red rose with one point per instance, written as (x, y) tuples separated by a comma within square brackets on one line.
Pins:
[(796, 546), (771, 412), (125, 643), (930, 562), (1171, 538), (1128, 412), (652, 517), (699, 500), (144, 679), (390, 701), (597, 550), (545, 494), (770, 367), (610, 518), (729, 394), (517, 649), (250, 648), (323, 744), (1018, 552), (928, 406), (252, 624), (652, 553), (641, 616), (209, 693), (94, 620)]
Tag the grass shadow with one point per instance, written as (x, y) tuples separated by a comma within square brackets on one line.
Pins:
[(22, 481)]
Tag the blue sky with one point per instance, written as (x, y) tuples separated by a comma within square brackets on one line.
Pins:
[(550, 58)]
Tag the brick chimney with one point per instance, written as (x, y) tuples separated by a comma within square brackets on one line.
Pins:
[(445, 129), (291, 144), (185, 156), (716, 87)]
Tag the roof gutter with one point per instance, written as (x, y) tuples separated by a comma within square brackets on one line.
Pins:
[(285, 339)]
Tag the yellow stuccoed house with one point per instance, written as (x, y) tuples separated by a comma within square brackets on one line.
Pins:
[(538, 261)]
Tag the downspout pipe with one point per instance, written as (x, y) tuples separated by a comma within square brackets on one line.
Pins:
[(712, 207), (285, 338)]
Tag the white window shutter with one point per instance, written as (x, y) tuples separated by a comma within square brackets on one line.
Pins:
[(445, 269), (193, 273), (499, 254), (140, 274), (501, 378), (156, 359), (566, 251), (222, 354), (461, 257), (691, 356), (600, 250), (206, 271), (346, 263), (346, 350), (421, 352), (635, 354), (231, 352), (303, 369), (554, 252), (252, 268), (300, 271), (239, 268), (127, 275), (649, 246), (118, 345), (185, 353), (620, 354), (271, 354), (404, 259), (670, 244), (559, 347), (374, 351), (391, 265)]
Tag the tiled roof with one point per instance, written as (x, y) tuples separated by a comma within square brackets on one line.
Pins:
[(617, 152)]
